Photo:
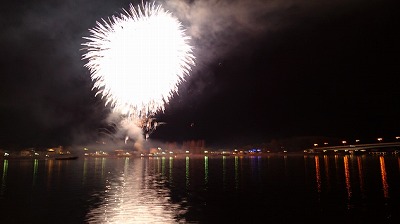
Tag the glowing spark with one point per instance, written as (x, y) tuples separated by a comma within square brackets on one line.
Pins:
[(137, 60)]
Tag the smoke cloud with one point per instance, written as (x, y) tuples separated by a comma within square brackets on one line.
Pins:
[(219, 27), (215, 26)]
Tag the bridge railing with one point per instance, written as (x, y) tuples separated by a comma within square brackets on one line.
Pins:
[(355, 147)]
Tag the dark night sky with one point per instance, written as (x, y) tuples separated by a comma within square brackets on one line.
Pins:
[(265, 69)]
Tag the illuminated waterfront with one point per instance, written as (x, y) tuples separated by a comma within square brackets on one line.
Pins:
[(200, 189)]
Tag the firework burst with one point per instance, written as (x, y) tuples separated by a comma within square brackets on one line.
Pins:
[(138, 59)]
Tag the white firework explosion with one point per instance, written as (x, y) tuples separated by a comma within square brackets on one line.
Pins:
[(138, 59)]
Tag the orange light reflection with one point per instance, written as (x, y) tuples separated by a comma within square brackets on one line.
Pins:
[(384, 177), (347, 176)]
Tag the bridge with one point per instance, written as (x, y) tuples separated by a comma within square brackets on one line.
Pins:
[(373, 147)]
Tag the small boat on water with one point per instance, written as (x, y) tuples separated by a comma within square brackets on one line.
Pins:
[(65, 157)]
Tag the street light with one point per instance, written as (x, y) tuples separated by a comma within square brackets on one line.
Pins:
[(344, 142), (380, 139)]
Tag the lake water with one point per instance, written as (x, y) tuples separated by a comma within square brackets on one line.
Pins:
[(232, 189)]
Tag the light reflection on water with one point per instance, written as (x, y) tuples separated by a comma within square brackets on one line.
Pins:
[(384, 177), (35, 170), (187, 172), (349, 171), (236, 172), (326, 164), (205, 172), (317, 173), (137, 196), (347, 176), (4, 177)]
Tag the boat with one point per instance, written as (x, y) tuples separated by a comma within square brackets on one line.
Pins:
[(66, 157)]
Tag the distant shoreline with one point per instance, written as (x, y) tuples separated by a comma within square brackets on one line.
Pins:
[(192, 155)]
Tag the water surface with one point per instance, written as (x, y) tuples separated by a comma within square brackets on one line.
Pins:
[(201, 189)]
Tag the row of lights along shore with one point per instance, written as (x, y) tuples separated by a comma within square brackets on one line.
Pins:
[(344, 142)]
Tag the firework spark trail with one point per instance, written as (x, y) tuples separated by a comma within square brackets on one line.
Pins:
[(137, 60)]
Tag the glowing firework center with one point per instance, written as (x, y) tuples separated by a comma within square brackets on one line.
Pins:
[(138, 59)]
